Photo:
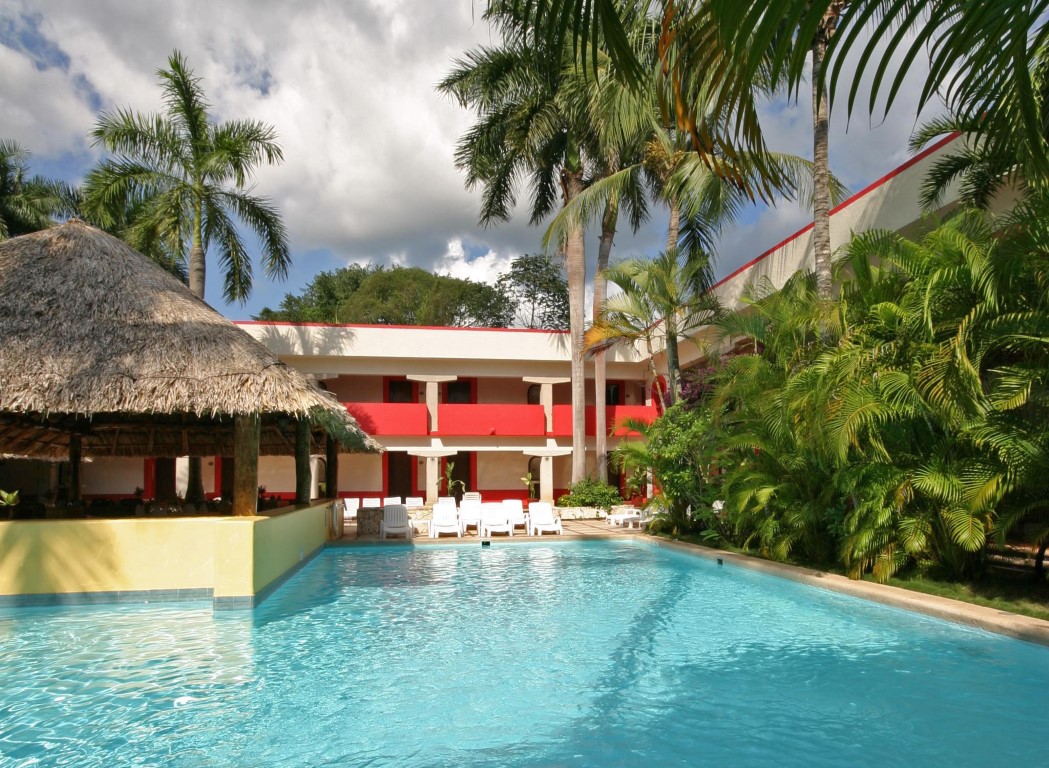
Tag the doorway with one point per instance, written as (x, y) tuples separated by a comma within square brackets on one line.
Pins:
[(399, 474)]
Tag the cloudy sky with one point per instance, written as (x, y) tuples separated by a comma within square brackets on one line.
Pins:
[(368, 143)]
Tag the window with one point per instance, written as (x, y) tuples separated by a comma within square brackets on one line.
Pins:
[(458, 391), (400, 391), (533, 394), (614, 393)]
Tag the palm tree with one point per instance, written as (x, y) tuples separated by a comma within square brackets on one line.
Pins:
[(528, 127), (28, 203), (983, 166), (662, 301), (721, 36), (179, 181), (178, 185)]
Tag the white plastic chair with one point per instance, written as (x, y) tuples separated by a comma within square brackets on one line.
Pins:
[(395, 521), (414, 502), (515, 511), (371, 502), (470, 514), (472, 496), (621, 518), (350, 507), (447, 499), (495, 519), (541, 518), (718, 507), (445, 520), (391, 500)]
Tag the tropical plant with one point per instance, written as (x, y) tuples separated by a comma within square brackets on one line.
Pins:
[(28, 203), (178, 183), (660, 303), (679, 451), (590, 493), (983, 167)]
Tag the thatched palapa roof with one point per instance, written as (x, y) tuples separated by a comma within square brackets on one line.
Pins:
[(96, 339)]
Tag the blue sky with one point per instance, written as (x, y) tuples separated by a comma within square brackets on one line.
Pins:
[(368, 173)]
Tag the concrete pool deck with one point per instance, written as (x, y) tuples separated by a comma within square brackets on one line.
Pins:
[(977, 616)]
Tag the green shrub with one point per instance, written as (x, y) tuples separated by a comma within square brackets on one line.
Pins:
[(590, 493)]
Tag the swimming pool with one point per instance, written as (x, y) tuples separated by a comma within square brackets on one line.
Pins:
[(567, 654)]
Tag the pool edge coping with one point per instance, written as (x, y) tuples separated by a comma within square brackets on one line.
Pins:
[(1000, 622)]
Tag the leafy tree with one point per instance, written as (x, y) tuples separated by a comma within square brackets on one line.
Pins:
[(537, 287), (178, 183), (413, 296), (322, 297), (28, 203)]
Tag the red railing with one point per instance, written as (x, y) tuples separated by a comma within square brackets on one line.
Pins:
[(476, 420), (614, 415), (490, 419), (391, 418)]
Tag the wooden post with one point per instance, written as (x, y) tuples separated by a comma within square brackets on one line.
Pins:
[(75, 448), (302, 462), (245, 464), (331, 467)]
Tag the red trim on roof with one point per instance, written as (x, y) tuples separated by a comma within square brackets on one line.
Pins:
[(865, 191), (405, 327)]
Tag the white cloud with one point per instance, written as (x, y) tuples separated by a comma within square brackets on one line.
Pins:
[(368, 143), (482, 269)]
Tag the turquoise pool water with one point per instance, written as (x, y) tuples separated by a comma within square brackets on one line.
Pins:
[(559, 654)]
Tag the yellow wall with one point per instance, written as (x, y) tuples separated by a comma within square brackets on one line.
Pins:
[(236, 557), (282, 542), (45, 556)]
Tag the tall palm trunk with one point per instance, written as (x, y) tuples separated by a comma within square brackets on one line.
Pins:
[(196, 254), (820, 148), (195, 472), (608, 233), (670, 337), (674, 225), (575, 259)]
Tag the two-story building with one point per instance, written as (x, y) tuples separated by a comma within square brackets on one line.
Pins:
[(487, 408)]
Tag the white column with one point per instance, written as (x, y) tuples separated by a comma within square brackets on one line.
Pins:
[(546, 479), (432, 391), (546, 395)]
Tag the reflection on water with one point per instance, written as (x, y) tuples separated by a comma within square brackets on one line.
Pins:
[(587, 654)]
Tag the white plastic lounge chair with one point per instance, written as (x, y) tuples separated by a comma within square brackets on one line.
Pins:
[(414, 502), (350, 507), (470, 514), (371, 502), (395, 521), (472, 496), (495, 519), (718, 507), (619, 518), (541, 518), (515, 511), (391, 500), (445, 520)]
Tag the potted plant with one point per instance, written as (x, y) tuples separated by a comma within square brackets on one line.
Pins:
[(9, 500)]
